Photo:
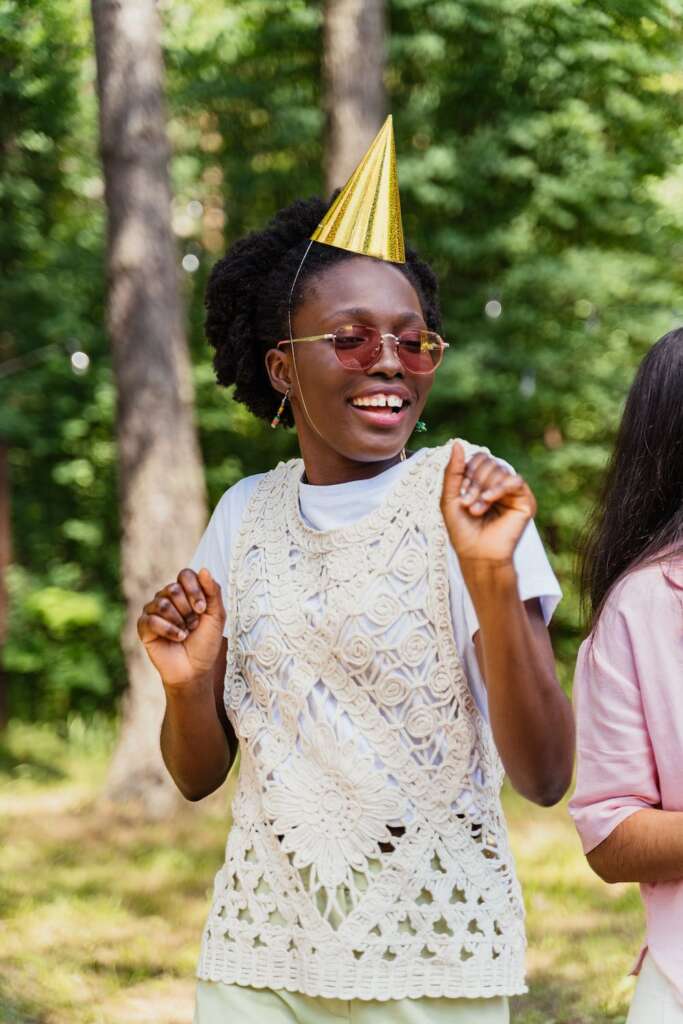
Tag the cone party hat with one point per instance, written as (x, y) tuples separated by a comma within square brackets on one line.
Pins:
[(366, 215)]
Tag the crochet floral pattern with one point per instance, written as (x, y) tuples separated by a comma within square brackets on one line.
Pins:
[(332, 807), (368, 857)]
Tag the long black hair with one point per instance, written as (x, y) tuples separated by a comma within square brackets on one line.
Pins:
[(639, 516), (248, 291)]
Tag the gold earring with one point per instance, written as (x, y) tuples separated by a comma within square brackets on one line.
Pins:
[(278, 415)]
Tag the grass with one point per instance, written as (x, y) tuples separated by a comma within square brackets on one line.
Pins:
[(100, 914)]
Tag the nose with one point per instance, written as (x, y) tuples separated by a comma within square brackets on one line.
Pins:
[(388, 364)]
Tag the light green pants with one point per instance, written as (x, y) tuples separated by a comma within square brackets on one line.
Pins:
[(655, 998), (237, 1004)]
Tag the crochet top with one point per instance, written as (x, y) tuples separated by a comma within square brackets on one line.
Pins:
[(346, 692)]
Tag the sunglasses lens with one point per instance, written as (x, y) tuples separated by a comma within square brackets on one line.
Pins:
[(357, 347), (420, 351)]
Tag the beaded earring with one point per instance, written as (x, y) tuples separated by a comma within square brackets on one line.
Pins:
[(281, 408), (420, 427)]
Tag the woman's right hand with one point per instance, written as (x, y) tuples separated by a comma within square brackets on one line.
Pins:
[(182, 629)]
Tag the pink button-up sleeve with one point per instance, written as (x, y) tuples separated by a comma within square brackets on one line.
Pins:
[(616, 773)]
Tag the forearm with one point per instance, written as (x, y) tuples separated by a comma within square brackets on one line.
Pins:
[(646, 847), (194, 744), (531, 717)]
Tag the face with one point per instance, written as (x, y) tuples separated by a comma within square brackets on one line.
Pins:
[(333, 425)]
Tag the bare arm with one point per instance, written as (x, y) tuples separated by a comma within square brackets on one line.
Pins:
[(486, 509), (198, 743), (531, 718), (645, 847), (182, 630)]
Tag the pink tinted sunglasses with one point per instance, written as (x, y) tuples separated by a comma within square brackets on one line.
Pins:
[(358, 347)]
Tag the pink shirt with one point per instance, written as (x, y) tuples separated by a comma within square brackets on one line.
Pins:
[(628, 694)]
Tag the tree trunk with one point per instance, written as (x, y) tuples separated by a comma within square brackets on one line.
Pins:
[(163, 503), (5, 556), (355, 99)]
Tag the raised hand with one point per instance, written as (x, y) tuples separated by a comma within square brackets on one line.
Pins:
[(485, 508), (182, 628)]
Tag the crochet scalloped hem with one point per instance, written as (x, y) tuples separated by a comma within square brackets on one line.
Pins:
[(381, 981)]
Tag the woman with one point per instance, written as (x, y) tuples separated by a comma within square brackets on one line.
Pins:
[(628, 804), (369, 595)]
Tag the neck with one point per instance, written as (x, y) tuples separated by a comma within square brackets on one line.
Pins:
[(323, 468)]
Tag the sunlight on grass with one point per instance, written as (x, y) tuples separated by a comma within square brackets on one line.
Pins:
[(101, 914)]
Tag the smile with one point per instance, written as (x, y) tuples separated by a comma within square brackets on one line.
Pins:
[(381, 409), (379, 401)]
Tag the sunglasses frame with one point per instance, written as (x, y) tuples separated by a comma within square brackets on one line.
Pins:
[(396, 338)]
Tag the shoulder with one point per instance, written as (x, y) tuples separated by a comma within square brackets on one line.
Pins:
[(648, 590), (470, 449), (442, 452), (227, 515), (235, 499), (644, 603)]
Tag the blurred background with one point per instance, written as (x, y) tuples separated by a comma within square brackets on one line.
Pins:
[(539, 149)]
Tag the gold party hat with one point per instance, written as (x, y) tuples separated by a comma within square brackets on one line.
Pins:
[(366, 215)]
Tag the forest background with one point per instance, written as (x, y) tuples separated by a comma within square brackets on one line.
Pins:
[(540, 146), (540, 169)]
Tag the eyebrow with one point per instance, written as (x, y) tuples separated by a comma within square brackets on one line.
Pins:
[(362, 313)]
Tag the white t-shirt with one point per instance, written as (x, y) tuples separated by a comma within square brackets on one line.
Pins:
[(337, 505)]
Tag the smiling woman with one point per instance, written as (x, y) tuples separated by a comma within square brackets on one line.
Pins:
[(383, 659), (341, 408)]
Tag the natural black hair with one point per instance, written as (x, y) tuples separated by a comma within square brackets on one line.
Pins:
[(639, 516), (248, 292)]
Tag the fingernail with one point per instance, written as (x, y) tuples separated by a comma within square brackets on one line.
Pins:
[(181, 634), (478, 506), (487, 495), (200, 605)]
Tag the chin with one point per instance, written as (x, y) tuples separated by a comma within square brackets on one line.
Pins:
[(376, 449)]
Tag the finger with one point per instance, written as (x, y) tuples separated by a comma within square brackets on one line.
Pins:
[(470, 472), (153, 627), (482, 476), (165, 608), (492, 477), (511, 485), (189, 580), (212, 590), (453, 474), (174, 593)]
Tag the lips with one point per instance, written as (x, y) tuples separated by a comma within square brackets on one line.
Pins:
[(383, 406), (382, 415), (381, 397)]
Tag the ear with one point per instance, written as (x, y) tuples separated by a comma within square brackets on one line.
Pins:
[(278, 369)]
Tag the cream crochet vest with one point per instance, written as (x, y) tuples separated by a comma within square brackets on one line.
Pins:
[(346, 692)]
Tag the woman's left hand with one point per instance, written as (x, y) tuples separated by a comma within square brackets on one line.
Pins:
[(485, 508)]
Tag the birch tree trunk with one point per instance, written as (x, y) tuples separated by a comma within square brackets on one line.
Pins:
[(355, 98), (163, 503)]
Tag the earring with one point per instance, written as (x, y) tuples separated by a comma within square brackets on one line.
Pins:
[(420, 427), (281, 408)]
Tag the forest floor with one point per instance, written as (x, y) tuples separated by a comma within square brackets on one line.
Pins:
[(100, 913)]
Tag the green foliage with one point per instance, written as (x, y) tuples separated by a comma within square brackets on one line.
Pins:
[(533, 136), (539, 151), (63, 646)]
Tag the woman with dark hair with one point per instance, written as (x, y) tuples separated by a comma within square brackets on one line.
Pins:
[(628, 804), (384, 653)]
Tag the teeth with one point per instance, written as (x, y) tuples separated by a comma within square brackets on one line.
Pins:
[(378, 401)]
